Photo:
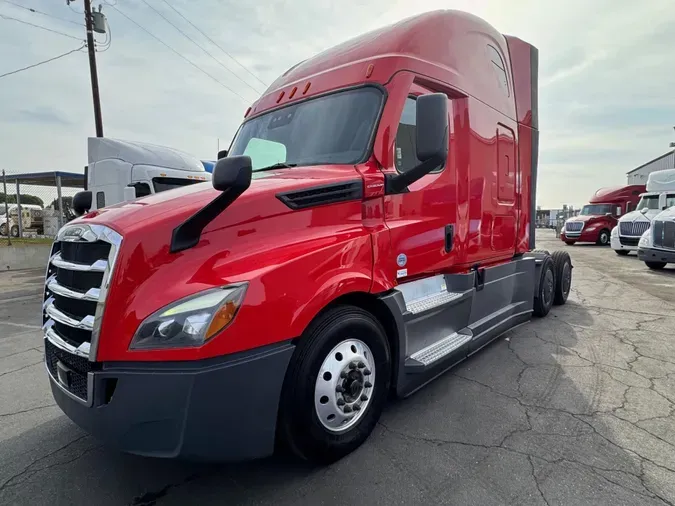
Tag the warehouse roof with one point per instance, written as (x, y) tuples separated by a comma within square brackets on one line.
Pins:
[(650, 161)]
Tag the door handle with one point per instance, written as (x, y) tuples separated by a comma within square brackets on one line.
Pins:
[(449, 234)]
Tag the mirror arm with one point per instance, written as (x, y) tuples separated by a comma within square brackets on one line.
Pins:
[(397, 183)]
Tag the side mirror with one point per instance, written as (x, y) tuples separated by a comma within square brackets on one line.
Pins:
[(82, 202), (222, 153), (232, 173), (431, 140), (232, 177), (129, 193)]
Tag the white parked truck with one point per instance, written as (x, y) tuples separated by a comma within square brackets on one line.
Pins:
[(117, 165), (657, 245), (660, 195)]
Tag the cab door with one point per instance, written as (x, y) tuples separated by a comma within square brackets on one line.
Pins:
[(422, 220)]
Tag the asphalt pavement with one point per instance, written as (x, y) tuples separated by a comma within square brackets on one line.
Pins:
[(575, 408)]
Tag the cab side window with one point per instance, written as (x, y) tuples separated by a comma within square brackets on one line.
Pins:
[(405, 155), (142, 189), (670, 200)]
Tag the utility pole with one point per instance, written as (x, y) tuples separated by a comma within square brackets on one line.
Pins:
[(100, 28)]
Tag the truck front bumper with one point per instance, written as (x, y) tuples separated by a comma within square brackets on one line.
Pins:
[(221, 409), (627, 244), (583, 236), (656, 255)]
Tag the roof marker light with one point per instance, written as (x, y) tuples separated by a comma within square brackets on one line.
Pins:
[(295, 88), (369, 70), (306, 88), (247, 112), (281, 95)]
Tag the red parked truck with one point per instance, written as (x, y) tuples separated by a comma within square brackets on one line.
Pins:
[(597, 218), (371, 227)]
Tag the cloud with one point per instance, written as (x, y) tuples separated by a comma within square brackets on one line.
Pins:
[(606, 101)]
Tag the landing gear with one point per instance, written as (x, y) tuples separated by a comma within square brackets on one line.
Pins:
[(336, 385)]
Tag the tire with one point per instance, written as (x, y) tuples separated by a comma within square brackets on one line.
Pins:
[(656, 266), (14, 231), (570, 243), (621, 252), (543, 299), (562, 267), (311, 394), (603, 238), (3, 229)]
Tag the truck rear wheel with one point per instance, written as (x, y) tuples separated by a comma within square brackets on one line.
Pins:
[(3, 229), (562, 266), (336, 385), (621, 252), (570, 243), (543, 299), (14, 231), (656, 266)]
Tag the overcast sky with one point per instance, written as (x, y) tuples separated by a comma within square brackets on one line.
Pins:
[(607, 74)]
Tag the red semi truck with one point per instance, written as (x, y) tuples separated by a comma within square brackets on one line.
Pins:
[(601, 215), (371, 227)]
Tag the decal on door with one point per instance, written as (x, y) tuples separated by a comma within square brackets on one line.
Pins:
[(401, 260)]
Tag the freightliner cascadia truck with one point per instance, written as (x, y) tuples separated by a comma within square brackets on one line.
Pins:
[(371, 226), (597, 218)]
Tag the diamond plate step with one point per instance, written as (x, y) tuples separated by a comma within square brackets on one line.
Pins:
[(431, 301), (440, 349)]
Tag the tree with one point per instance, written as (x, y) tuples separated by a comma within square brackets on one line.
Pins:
[(25, 199)]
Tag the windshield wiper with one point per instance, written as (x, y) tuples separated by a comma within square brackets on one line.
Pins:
[(280, 165)]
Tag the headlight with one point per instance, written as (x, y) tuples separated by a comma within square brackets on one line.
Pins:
[(646, 239), (615, 232), (191, 321)]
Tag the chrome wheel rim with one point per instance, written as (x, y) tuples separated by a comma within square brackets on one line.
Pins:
[(549, 285), (344, 386), (566, 279)]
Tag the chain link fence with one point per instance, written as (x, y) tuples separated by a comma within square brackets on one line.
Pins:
[(34, 206)]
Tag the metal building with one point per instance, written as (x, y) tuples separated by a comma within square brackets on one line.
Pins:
[(639, 174)]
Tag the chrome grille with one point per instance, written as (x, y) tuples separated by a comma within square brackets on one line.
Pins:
[(664, 234), (634, 228), (574, 226), (77, 280)]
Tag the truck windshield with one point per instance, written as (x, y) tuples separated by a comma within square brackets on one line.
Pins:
[(333, 129), (648, 202), (597, 209), (169, 183)]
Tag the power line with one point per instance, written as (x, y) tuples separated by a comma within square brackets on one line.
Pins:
[(39, 26), (200, 47), (35, 11), (42, 62), (178, 54), (217, 45)]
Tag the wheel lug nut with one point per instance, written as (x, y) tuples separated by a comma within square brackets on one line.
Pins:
[(367, 384), (357, 407), (366, 372), (361, 365), (340, 402), (364, 398), (348, 409), (343, 375), (339, 389), (352, 365)]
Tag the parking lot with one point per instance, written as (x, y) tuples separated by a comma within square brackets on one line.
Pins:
[(576, 408)]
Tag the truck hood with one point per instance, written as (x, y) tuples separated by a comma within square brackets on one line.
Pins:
[(586, 218), (667, 215), (638, 216), (170, 208)]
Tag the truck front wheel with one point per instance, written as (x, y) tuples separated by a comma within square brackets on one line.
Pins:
[(570, 243), (603, 238), (656, 266), (336, 385), (621, 252)]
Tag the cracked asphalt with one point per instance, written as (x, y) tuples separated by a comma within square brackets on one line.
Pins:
[(576, 408)]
